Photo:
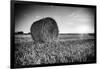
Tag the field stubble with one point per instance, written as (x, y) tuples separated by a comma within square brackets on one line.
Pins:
[(62, 51)]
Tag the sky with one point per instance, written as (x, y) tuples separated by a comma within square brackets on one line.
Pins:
[(69, 19)]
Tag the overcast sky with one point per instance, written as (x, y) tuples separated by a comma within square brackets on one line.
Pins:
[(69, 19)]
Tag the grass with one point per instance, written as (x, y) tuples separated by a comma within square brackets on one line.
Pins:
[(61, 51)]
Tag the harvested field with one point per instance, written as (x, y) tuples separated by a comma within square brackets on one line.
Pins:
[(64, 50)]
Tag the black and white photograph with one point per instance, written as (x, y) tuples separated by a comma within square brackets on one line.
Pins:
[(52, 34)]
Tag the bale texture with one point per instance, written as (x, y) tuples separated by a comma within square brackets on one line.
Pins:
[(44, 30)]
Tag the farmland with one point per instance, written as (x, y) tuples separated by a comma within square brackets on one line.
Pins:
[(67, 49)]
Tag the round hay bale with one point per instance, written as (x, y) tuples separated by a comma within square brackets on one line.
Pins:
[(44, 30)]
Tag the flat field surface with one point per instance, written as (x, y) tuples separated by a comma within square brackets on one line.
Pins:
[(67, 49)]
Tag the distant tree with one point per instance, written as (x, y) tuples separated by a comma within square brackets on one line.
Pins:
[(20, 32), (91, 34), (28, 33)]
